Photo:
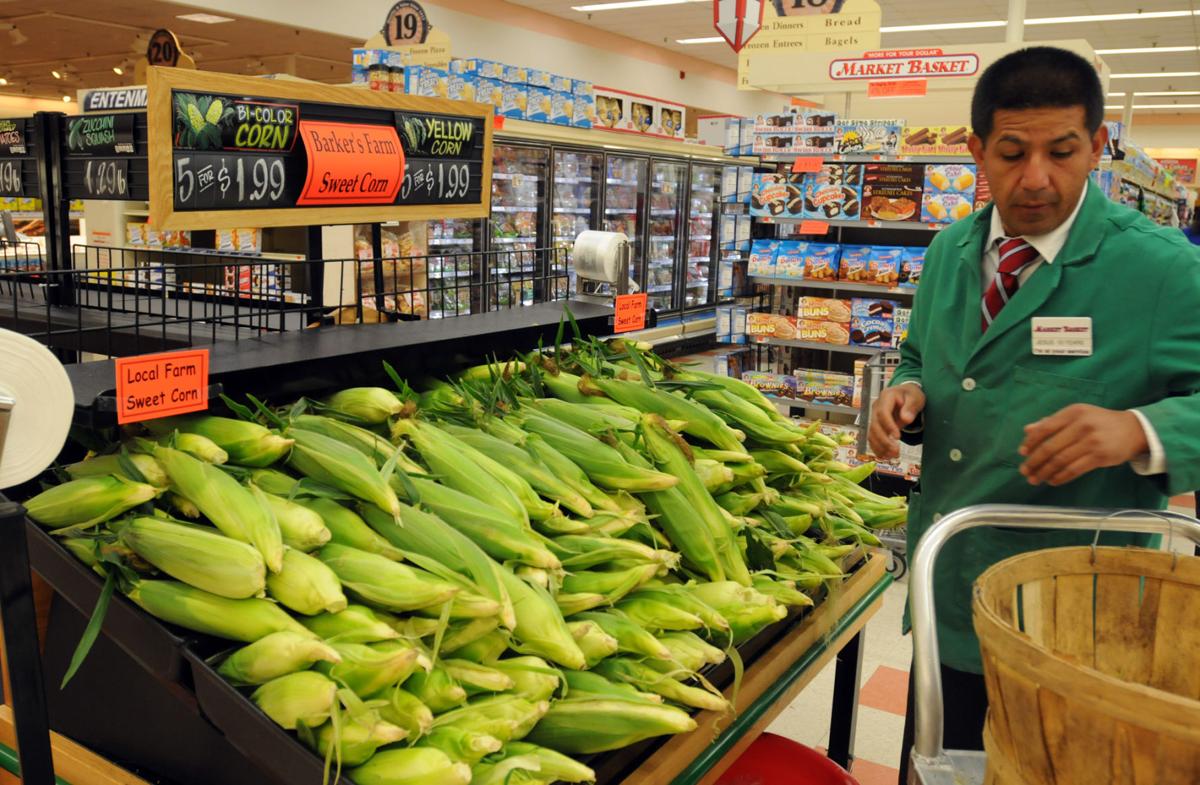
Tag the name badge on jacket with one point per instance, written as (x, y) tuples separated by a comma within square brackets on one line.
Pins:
[(1066, 336)]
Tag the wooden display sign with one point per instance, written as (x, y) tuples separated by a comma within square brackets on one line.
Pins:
[(104, 156), (232, 151), (18, 158)]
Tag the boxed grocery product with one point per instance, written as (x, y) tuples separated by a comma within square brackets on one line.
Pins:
[(856, 263), (740, 315), (744, 225), (728, 230), (777, 384), (724, 324), (828, 387), (900, 328), (585, 111), (789, 259), (489, 91), (514, 74), (874, 308), (729, 184), (949, 192), (777, 195), (762, 257), (745, 182), (819, 331), (539, 104), (911, 265), (535, 77), (745, 136), (765, 326), (135, 233), (821, 261), (488, 69), (562, 84), (983, 190), (426, 82), (580, 87), (868, 137), (885, 264), (892, 192), (859, 372), (515, 101), (463, 87), (833, 191), (867, 331), (828, 309), (562, 108), (935, 140)]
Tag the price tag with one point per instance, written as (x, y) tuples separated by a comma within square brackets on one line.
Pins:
[(106, 178), (814, 227), (150, 386), (498, 123), (808, 164), (351, 163), (629, 313), (10, 178), (898, 88)]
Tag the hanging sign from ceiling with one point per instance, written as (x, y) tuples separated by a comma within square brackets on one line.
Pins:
[(232, 151), (406, 24), (738, 20), (408, 32), (795, 27)]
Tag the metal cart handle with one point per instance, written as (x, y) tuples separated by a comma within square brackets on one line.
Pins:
[(927, 746)]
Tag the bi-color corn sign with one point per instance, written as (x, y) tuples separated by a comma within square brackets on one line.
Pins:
[(738, 20)]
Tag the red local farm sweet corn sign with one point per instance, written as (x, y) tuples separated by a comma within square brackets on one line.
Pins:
[(150, 386), (351, 163)]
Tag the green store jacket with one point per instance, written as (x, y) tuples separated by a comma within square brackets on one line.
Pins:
[(1140, 284)]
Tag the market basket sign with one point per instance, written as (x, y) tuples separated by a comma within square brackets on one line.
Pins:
[(231, 151)]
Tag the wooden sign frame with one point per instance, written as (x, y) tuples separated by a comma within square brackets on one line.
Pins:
[(160, 120)]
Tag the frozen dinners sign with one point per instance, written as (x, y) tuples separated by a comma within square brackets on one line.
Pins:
[(351, 164), (899, 64)]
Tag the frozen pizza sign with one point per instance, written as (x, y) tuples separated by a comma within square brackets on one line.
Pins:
[(905, 64)]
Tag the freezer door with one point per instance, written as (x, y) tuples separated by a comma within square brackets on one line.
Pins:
[(664, 257), (574, 208), (520, 192), (625, 188), (699, 284)]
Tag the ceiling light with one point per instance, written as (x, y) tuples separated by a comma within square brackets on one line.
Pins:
[(1140, 50), (1153, 74), (66, 99), (207, 19), (716, 39), (56, 74), (3, 81), (630, 4), (1050, 20), (118, 70), (941, 26)]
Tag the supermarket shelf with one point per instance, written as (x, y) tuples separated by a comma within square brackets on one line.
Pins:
[(823, 347), (452, 241), (514, 176), (564, 238), (697, 284), (667, 263), (665, 213), (662, 237), (574, 210), (703, 190), (840, 286), (665, 287), (625, 183), (449, 274), (503, 209), (574, 180), (704, 258), (615, 142), (869, 224), (701, 215), (510, 240), (870, 158), (621, 211), (797, 403)]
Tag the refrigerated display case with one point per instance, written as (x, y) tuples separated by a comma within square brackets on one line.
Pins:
[(453, 244), (699, 286), (667, 189), (517, 226), (624, 202), (575, 205)]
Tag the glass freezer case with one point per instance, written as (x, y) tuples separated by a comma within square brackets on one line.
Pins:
[(575, 205), (667, 188), (699, 285), (624, 203), (516, 228)]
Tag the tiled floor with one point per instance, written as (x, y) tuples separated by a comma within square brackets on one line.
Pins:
[(887, 657)]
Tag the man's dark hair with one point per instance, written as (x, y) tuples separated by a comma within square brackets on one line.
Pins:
[(1038, 77)]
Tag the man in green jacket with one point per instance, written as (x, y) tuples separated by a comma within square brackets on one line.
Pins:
[(1053, 356)]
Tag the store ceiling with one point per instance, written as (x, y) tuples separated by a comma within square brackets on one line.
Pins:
[(84, 40), (663, 25)]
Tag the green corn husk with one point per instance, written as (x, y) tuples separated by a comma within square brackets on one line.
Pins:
[(569, 472), (201, 611), (275, 655), (369, 443), (540, 629), (246, 443), (461, 744), (199, 447), (696, 542), (558, 525), (741, 389), (305, 698), (347, 528), (367, 669), (331, 462), (300, 527), (411, 766), (485, 649), (383, 582), (699, 420), (588, 725), (604, 523), (354, 624), (276, 482), (679, 596), (714, 475), (102, 465), (613, 585), (197, 556), (85, 502), (82, 548), (581, 552), (369, 405), (181, 505), (239, 513), (507, 717), (758, 425), (594, 642), (437, 689), (461, 634), (632, 638), (669, 453), (498, 535), (782, 591), (466, 605), (554, 766), (534, 679), (355, 738), (513, 770), (690, 650), (655, 612), (746, 610), (604, 465), (571, 604), (596, 420), (305, 585), (647, 679), (589, 684), (406, 711), (736, 503), (535, 472), (476, 678)]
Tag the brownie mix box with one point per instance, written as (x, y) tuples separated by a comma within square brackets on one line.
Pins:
[(777, 384), (892, 192), (826, 387)]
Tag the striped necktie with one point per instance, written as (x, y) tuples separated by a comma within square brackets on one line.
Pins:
[(1015, 256)]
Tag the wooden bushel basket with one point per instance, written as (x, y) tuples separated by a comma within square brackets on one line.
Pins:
[(1092, 662)]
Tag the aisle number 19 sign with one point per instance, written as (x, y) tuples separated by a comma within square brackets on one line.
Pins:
[(229, 151)]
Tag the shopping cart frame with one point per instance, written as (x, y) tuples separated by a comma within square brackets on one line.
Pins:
[(930, 763)]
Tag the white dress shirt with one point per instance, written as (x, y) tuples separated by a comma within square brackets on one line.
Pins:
[(1048, 246)]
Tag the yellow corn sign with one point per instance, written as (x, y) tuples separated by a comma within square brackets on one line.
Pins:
[(803, 26)]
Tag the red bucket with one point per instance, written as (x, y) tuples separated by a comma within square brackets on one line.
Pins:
[(774, 760)]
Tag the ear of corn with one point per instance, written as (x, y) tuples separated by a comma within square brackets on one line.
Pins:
[(411, 766), (87, 501), (467, 605), (102, 465), (332, 462), (581, 552), (596, 420), (594, 642), (533, 678), (181, 505), (305, 698), (406, 711), (367, 669), (484, 649), (306, 585), (437, 689), (645, 678), (353, 624), (632, 637), (347, 528), (746, 610), (554, 766), (275, 655), (782, 591), (712, 474), (369, 443), (690, 650), (655, 612), (681, 597), (476, 678), (462, 633), (369, 405), (589, 684), (355, 739), (201, 611), (300, 527), (461, 744), (571, 604), (197, 446), (739, 503), (588, 725), (699, 420), (569, 472), (540, 628), (383, 582), (199, 557), (506, 717), (757, 424), (513, 770), (246, 443), (613, 584)]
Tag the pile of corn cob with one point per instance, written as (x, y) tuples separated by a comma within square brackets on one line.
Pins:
[(534, 560)]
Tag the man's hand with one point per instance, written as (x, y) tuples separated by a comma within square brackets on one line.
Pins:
[(895, 408), (1075, 440)]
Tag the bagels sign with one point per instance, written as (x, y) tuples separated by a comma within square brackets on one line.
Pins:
[(905, 64)]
